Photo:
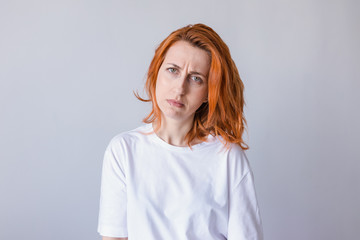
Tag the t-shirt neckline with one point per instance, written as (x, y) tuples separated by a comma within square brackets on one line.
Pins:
[(196, 147)]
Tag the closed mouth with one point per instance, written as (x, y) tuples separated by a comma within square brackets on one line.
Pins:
[(175, 103)]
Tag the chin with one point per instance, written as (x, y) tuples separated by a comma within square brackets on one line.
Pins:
[(173, 116)]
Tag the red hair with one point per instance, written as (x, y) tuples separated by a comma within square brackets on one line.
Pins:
[(223, 114)]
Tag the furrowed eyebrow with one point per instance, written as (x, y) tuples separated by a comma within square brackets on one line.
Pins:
[(192, 72)]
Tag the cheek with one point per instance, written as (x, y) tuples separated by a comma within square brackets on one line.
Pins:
[(203, 94), (199, 97), (157, 92), (162, 85), (159, 89)]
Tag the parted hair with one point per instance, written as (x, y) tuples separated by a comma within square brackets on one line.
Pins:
[(223, 113)]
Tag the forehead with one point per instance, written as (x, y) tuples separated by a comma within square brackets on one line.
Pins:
[(183, 53)]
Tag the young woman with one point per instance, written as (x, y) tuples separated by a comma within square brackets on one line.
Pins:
[(183, 175)]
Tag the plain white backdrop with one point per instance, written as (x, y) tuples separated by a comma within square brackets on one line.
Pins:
[(68, 69)]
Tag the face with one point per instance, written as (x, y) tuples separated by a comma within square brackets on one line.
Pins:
[(181, 85)]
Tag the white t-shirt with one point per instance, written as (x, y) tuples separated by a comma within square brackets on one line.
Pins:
[(151, 190)]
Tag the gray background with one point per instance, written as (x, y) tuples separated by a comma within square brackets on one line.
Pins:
[(68, 69)]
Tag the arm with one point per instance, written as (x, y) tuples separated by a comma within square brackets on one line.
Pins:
[(244, 215), (112, 222), (111, 238)]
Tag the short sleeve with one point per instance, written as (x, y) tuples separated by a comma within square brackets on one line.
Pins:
[(113, 200), (244, 216)]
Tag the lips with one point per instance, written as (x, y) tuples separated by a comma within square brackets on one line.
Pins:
[(175, 103)]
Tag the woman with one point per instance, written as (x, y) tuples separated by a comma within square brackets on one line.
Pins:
[(183, 175)]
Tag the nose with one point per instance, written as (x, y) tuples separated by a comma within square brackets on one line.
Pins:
[(181, 85)]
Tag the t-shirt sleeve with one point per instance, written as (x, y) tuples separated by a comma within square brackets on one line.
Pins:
[(113, 200), (244, 215)]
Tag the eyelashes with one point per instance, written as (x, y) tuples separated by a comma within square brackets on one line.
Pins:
[(172, 70), (194, 79)]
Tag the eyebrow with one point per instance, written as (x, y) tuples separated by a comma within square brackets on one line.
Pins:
[(192, 72)]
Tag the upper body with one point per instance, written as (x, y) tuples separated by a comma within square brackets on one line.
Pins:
[(154, 190), (184, 174)]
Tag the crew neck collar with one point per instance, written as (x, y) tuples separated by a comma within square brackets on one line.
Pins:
[(209, 141)]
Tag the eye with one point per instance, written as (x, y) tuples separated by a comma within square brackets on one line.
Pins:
[(172, 70), (196, 79)]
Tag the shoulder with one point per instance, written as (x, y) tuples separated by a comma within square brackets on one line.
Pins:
[(238, 164), (234, 151), (128, 138), (235, 156), (237, 152)]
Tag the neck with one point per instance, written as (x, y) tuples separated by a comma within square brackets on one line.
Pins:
[(173, 131)]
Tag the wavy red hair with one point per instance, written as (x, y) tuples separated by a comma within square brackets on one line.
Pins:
[(223, 114)]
